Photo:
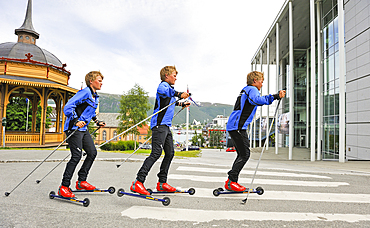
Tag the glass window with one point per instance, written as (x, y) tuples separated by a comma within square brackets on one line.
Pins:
[(104, 135), (336, 65), (325, 38), (336, 38), (327, 5), (331, 34), (114, 135), (331, 104), (336, 104), (331, 67)]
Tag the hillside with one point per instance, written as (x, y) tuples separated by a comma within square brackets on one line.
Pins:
[(109, 103)]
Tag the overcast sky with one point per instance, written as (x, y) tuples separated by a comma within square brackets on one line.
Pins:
[(211, 42)]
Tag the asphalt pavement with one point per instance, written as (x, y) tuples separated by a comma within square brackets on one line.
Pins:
[(298, 192)]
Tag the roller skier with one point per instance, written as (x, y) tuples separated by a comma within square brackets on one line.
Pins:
[(79, 110), (161, 133), (244, 110)]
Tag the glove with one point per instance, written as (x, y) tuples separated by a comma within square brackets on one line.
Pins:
[(98, 122), (276, 96)]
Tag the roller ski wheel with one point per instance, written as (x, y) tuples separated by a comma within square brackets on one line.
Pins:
[(216, 192), (165, 201), (85, 202), (260, 190), (111, 190), (191, 191)]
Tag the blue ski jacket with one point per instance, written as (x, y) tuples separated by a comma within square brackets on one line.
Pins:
[(81, 107), (165, 96), (245, 108)]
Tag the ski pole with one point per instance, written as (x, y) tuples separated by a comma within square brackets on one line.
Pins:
[(38, 181), (8, 193), (138, 123), (263, 148), (134, 152)]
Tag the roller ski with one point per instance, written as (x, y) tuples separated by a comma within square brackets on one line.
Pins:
[(140, 191), (219, 191), (165, 201), (164, 188), (83, 186), (235, 188), (65, 193)]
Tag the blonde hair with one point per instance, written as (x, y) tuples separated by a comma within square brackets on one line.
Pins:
[(91, 76), (254, 75), (167, 70)]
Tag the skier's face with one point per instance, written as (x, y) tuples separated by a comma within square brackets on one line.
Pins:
[(97, 83), (171, 78), (258, 83)]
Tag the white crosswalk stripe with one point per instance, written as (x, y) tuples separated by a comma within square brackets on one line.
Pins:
[(179, 214), (291, 195), (250, 172), (257, 181), (273, 179)]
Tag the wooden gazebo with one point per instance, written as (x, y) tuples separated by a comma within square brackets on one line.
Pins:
[(29, 71)]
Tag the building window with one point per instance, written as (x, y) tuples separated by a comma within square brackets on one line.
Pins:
[(140, 137), (330, 81), (104, 135), (114, 135)]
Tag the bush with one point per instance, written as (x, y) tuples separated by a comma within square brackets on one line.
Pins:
[(120, 145)]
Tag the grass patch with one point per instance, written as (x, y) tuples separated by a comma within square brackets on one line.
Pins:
[(190, 153)]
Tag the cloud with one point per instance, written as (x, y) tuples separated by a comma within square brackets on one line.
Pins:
[(211, 42)]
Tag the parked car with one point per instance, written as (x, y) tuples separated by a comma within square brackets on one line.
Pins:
[(230, 149), (146, 147), (191, 148)]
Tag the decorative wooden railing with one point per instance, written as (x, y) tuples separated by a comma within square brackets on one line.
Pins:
[(54, 137), (31, 138)]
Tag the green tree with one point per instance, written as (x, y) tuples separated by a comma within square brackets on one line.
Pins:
[(215, 137), (134, 105), (195, 139), (16, 112)]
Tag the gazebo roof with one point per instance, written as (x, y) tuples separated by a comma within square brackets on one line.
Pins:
[(19, 50)]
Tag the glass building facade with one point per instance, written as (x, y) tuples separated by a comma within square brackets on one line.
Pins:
[(330, 61), (336, 35)]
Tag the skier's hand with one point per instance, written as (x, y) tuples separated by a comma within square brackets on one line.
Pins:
[(184, 95), (80, 124), (185, 104), (282, 93), (100, 123)]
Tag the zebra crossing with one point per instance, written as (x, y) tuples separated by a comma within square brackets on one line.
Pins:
[(308, 190)]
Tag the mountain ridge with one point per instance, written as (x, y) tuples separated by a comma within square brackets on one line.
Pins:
[(109, 103)]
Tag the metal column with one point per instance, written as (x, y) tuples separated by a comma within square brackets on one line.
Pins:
[(291, 82), (277, 86), (254, 118), (313, 78), (319, 82), (260, 129), (268, 92), (342, 83)]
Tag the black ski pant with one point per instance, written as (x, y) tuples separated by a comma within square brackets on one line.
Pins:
[(241, 142), (161, 140), (78, 141)]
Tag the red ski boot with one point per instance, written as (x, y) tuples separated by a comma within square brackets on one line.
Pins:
[(164, 187), (234, 186), (65, 192), (138, 187), (83, 185)]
